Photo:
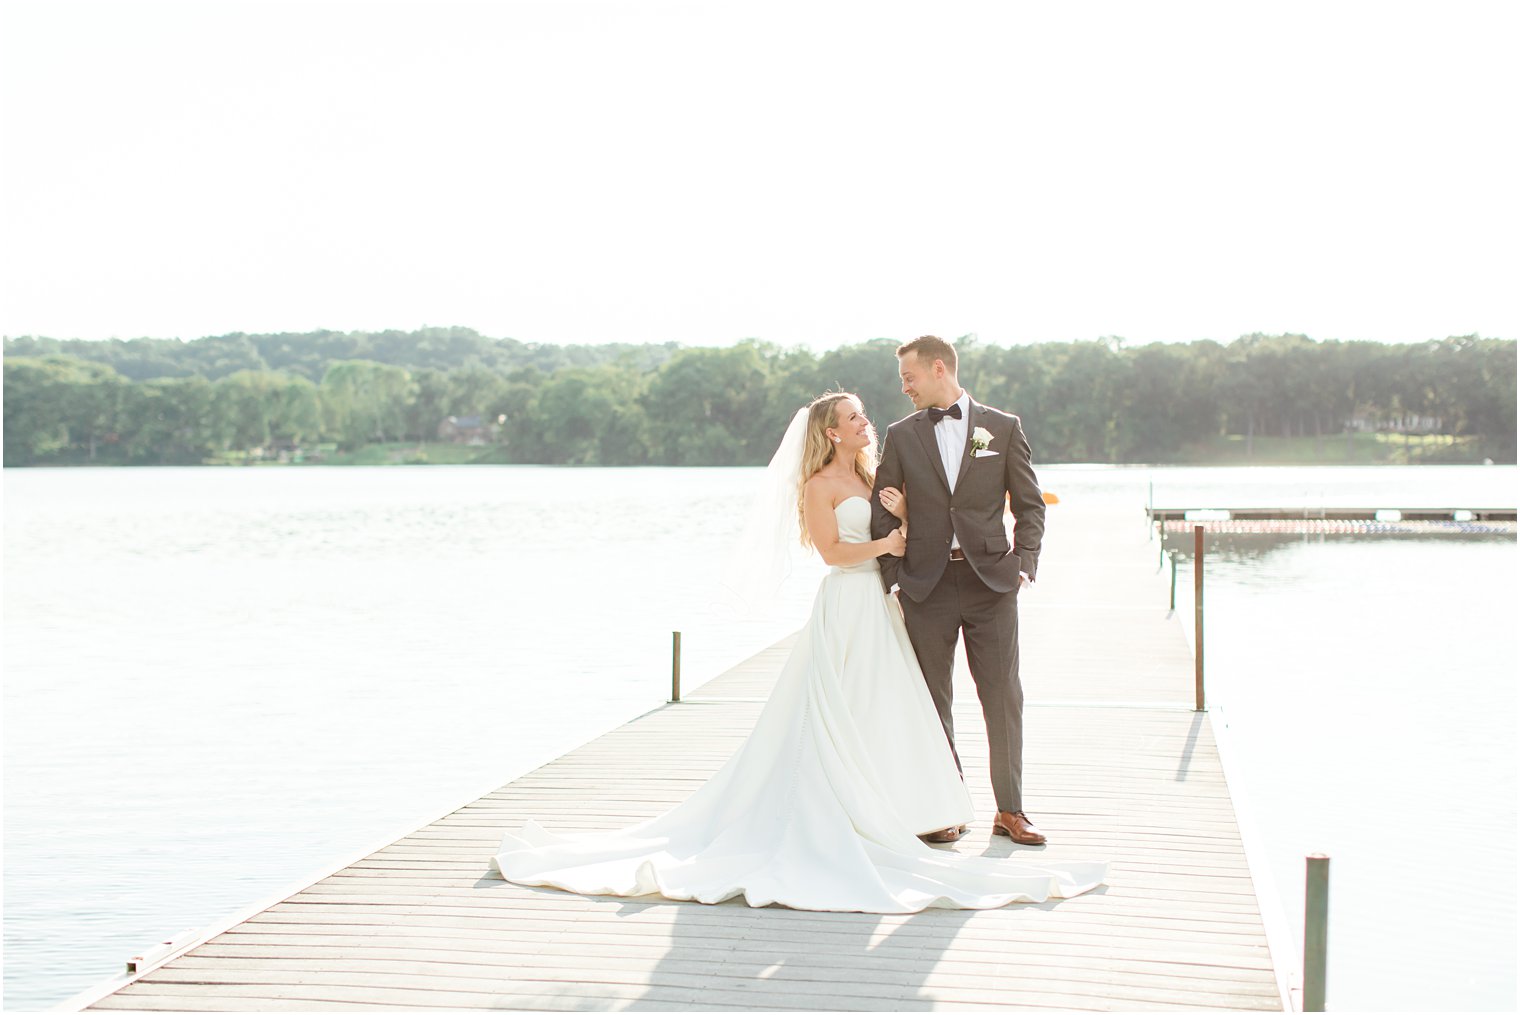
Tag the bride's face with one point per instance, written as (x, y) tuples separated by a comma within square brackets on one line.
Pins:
[(851, 426)]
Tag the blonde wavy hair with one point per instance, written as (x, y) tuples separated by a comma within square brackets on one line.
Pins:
[(818, 450)]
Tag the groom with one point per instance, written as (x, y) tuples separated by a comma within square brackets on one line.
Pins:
[(957, 462)]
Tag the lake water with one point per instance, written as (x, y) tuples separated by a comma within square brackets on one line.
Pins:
[(218, 681), (1367, 686)]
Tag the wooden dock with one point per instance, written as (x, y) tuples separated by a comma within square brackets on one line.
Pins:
[(1117, 767)]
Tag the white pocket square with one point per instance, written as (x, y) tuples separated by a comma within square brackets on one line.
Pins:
[(983, 453)]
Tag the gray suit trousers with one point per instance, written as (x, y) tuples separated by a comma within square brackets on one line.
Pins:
[(962, 604)]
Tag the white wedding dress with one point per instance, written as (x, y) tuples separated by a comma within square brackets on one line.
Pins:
[(821, 807)]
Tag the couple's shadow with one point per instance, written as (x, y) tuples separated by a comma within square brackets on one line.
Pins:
[(732, 954), (670, 954)]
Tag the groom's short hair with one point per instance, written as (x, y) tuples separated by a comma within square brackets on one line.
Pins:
[(930, 348)]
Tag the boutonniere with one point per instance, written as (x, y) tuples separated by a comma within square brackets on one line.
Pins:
[(980, 438)]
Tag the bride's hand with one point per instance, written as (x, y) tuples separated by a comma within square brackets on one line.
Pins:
[(896, 542), (895, 501)]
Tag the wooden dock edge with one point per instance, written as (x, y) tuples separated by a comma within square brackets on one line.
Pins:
[(1286, 958), (90, 995), (87, 997)]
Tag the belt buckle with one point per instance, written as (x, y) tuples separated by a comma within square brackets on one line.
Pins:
[(957, 554)]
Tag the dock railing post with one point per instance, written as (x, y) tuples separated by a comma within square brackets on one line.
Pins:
[(675, 666), (1198, 618), (1316, 928), (1172, 605)]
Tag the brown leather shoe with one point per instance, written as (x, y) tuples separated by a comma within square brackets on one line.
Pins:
[(1017, 826), (945, 834)]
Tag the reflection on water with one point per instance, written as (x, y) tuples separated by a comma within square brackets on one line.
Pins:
[(219, 680)]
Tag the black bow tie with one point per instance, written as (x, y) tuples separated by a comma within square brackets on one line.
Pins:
[(935, 415)]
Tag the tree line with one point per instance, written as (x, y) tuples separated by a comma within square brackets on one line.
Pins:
[(157, 401)]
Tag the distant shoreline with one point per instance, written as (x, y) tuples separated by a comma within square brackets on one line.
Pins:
[(1369, 449)]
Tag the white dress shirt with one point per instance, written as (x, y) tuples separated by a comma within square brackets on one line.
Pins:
[(950, 435)]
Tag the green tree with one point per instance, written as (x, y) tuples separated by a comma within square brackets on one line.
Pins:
[(171, 421), (708, 407), (298, 410), (243, 403), (61, 405), (477, 391), (1168, 402), (525, 433), (1079, 418), (1478, 380), (429, 405), (591, 416), (364, 401), (35, 427), (792, 381)]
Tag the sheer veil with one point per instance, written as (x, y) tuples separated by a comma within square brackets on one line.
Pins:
[(769, 542)]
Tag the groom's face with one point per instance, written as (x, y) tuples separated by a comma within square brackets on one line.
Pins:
[(924, 383)]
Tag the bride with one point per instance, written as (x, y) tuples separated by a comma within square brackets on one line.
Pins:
[(821, 808)]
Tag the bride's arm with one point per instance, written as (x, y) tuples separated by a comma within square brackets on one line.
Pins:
[(888, 473), (818, 512), (895, 501)]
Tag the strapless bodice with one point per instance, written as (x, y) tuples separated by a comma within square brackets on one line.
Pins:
[(853, 515)]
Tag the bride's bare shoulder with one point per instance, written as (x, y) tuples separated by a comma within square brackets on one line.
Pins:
[(820, 485)]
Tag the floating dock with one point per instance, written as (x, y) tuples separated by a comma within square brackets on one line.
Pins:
[(1117, 766)]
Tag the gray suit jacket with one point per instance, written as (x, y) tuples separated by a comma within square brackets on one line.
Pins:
[(911, 462)]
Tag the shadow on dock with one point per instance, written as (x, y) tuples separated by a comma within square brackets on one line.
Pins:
[(805, 960), (1189, 745)]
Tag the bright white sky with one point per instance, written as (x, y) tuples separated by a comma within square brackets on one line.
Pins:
[(816, 173)]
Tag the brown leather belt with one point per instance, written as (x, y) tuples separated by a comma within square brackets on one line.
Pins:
[(957, 554)]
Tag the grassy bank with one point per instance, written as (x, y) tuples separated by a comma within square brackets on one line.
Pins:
[(435, 453), (400, 453)]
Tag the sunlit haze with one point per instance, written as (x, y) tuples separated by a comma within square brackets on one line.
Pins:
[(815, 173)]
